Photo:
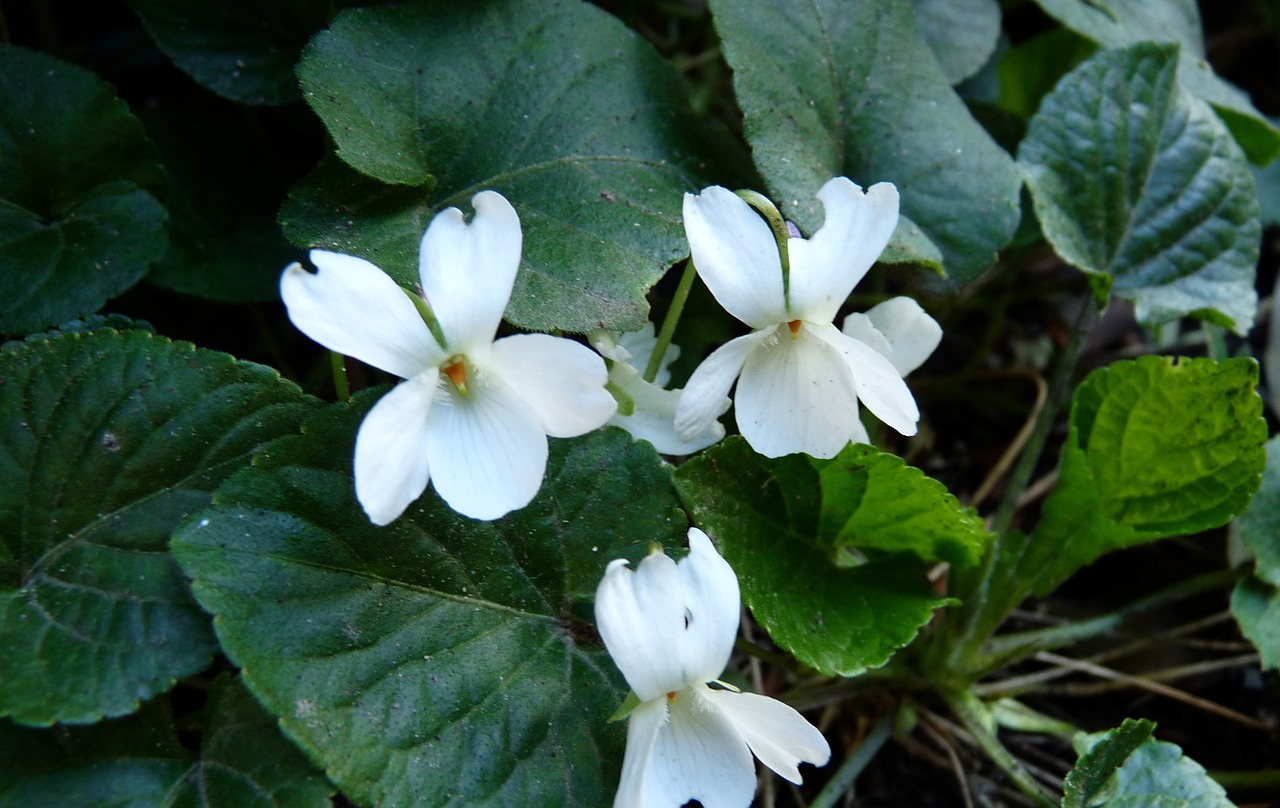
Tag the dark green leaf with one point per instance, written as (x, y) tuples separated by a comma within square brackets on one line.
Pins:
[(110, 440), (1120, 23), (834, 88), (765, 515), (961, 33), (438, 660), (244, 762), (873, 500), (1097, 766), (78, 223), (1140, 184), (244, 50), (571, 116), (1156, 449)]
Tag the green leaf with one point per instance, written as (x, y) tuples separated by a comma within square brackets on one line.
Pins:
[(225, 244), (1259, 526), (1155, 775), (1120, 23), (1256, 606), (1140, 184), (109, 441), (243, 50), (961, 33), (244, 761), (834, 88), (558, 106), (873, 500), (438, 660), (1096, 767), (78, 223), (1031, 69), (1156, 448), (767, 519)]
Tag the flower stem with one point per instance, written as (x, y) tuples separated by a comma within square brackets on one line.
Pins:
[(428, 316), (765, 207), (669, 322), (980, 723), (854, 764), (340, 385)]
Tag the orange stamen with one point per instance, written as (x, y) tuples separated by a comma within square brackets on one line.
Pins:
[(457, 373), (794, 325), (671, 697)]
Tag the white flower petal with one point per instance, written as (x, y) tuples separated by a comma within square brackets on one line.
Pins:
[(736, 255), (698, 754), (643, 726), (879, 385), (487, 450), (468, 269), (352, 307), (856, 229), (561, 380), (705, 396), (860, 327), (908, 328), (654, 416), (640, 344), (776, 733), (391, 457), (796, 395), (713, 608), (640, 616)]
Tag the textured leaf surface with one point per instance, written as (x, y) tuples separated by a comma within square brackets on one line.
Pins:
[(1259, 526), (109, 441), (767, 517), (833, 88), (137, 761), (1156, 449), (1120, 23), (1107, 754), (1139, 183), (437, 661), (1155, 775), (1256, 607), (241, 49), (873, 500), (961, 33), (558, 106), (78, 223)]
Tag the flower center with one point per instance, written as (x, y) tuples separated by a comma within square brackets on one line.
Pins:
[(671, 697), (794, 325), (456, 370)]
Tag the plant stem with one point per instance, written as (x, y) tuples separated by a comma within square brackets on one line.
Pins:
[(854, 764), (340, 386), (977, 719), (669, 322)]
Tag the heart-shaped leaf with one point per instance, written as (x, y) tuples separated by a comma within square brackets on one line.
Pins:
[(571, 116), (439, 660), (78, 223), (961, 33), (109, 441)]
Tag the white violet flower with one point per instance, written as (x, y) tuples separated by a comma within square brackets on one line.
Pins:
[(473, 414), (652, 408), (799, 377), (670, 628)]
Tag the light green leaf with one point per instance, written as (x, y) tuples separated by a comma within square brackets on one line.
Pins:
[(1120, 23), (1155, 449), (767, 519), (1107, 753), (833, 88), (439, 660), (557, 105), (1029, 70), (78, 223), (961, 33), (873, 500), (1155, 775), (1141, 185), (244, 50), (109, 441), (1256, 607), (1259, 526), (244, 762)]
